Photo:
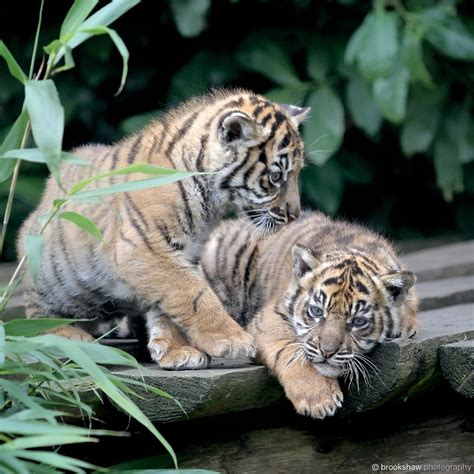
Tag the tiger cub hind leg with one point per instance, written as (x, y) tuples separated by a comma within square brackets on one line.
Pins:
[(72, 332), (168, 346)]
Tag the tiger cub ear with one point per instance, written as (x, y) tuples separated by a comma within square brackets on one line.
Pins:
[(398, 284), (296, 114), (238, 128), (304, 260)]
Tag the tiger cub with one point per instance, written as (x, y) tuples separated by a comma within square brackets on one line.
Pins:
[(250, 152), (317, 295)]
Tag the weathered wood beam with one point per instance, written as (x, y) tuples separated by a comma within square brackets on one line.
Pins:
[(457, 364)]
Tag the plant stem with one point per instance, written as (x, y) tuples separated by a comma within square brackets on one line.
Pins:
[(11, 193)]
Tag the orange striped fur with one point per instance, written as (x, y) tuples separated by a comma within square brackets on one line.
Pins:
[(317, 296), (146, 265)]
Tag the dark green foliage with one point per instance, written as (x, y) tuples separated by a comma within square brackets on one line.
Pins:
[(390, 138)]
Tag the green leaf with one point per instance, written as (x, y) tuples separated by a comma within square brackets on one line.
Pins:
[(2, 344), (467, 151), (357, 41), (205, 70), (422, 119), (47, 120), (35, 155), (133, 185), (190, 16), (362, 106), (83, 222), (13, 66), (318, 59), (448, 166), (12, 140), (103, 17), (68, 61), (103, 382), (378, 48), (78, 12), (447, 33), (127, 170), (391, 94), (34, 251), (32, 327), (119, 44), (324, 129), (265, 56), (324, 186), (412, 58)]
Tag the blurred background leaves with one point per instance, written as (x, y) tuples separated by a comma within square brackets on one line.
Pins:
[(390, 140)]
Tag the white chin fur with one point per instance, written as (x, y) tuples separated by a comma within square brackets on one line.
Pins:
[(327, 370)]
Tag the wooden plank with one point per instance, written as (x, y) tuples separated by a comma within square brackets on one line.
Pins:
[(457, 363), (406, 367), (442, 262), (445, 292)]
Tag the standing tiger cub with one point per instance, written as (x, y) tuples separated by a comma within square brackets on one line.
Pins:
[(317, 296), (146, 264)]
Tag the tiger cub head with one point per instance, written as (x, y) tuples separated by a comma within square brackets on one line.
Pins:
[(263, 155), (340, 308)]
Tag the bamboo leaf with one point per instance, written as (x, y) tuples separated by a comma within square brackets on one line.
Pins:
[(82, 222), (12, 140), (119, 44), (34, 251), (78, 12), (47, 120), (2, 344), (35, 155), (133, 185), (32, 327), (13, 66), (103, 17)]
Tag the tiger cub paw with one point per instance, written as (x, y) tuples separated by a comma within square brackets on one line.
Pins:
[(409, 327), (317, 400), (177, 358), (72, 332), (234, 343)]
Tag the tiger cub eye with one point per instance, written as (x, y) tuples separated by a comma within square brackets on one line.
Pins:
[(359, 322), (315, 311)]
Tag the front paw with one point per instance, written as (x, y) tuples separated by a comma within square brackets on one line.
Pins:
[(234, 343), (316, 397), (167, 356), (72, 332), (409, 327)]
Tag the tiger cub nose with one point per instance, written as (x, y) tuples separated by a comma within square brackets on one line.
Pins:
[(292, 213), (327, 354)]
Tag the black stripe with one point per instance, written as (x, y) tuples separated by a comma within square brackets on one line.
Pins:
[(234, 103), (137, 210), (164, 230), (187, 208), (291, 305), (138, 228), (331, 281), (257, 110), (361, 287), (279, 119), (196, 299), (157, 142), (265, 119), (262, 157), (225, 182), (238, 256), (134, 149), (285, 141), (200, 157), (181, 133)]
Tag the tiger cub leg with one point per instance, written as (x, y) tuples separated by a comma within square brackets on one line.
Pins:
[(169, 285), (169, 348), (311, 393)]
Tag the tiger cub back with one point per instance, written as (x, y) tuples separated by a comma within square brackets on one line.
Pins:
[(318, 295)]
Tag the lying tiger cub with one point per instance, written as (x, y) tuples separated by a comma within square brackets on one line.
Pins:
[(317, 295)]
